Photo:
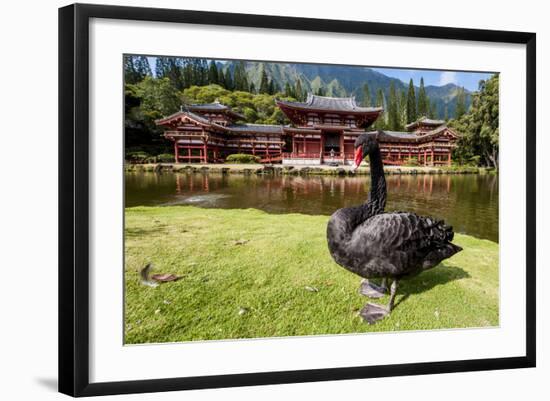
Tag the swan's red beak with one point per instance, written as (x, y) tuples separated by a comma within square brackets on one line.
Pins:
[(358, 157)]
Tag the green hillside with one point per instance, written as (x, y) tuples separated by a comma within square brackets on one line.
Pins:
[(345, 81)]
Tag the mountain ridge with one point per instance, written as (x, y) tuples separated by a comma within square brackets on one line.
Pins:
[(341, 81)]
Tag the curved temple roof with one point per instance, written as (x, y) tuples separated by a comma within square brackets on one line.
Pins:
[(425, 121), (399, 136), (212, 107), (338, 104)]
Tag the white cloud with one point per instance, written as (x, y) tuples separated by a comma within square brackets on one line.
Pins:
[(448, 77)]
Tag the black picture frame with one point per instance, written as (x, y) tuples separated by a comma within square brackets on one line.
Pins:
[(74, 198)]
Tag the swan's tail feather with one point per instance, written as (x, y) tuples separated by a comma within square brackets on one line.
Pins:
[(440, 231), (441, 236)]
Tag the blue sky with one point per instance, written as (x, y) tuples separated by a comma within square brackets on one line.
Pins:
[(469, 80)]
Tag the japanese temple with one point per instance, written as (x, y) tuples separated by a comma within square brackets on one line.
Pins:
[(322, 131)]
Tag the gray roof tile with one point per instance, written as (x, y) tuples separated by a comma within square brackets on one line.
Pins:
[(207, 106), (265, 128), (330, 103), (425, 121)]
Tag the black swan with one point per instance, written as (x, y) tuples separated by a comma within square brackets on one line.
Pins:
[(373, 244)]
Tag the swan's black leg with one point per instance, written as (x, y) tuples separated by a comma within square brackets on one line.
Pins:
[(372, 313), (393, 292), (372, 290)]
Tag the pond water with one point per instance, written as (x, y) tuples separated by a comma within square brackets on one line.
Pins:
[(468, 202)]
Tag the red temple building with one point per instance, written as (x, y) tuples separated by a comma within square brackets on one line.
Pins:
[(322, 131)]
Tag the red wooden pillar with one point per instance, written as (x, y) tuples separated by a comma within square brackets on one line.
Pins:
[(205, 151), (322, 150), (433, 164), (176, 151), (449, 158), (425, 156), (342, 154)]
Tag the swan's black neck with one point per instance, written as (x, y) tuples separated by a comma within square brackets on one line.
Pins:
[(344, 222), (377, 195)]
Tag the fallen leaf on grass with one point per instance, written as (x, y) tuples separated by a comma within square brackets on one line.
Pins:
[(311, 289), (243, 311), (165, 277), (152, 281)]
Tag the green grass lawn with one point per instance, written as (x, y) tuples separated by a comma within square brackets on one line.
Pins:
[(247, 273)]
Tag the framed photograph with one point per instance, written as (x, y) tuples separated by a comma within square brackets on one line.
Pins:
[(251, 199)]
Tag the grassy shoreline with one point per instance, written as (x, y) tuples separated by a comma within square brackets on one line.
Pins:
[(246, 273), (297, 170)]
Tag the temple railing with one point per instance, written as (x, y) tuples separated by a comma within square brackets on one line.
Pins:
[(337, 156), (302, 155)]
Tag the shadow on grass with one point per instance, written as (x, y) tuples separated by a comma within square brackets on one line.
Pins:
[(425, 281), (141, 232)]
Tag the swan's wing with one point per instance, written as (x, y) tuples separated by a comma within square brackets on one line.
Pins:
[(402, 239)]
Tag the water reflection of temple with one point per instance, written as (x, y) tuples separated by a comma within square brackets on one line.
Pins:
[(313, 185)]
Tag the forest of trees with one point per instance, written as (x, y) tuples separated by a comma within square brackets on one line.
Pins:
[(478, 144), (177, 81)]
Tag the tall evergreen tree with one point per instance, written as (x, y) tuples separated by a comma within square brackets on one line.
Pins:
[(393, 112), (289, 91), (272, 87), (298, 91), (201, 72), (367, 100), (221, 77), (142, 67), (460, 109), (171, 68), (240, 80), (264, 82), (402, 109), (433, 110), (423, 102), (160, 67), (380, 102), (411, 103), (188, 74), (252, 88), (131, 73), (229, 84), (213, 76), (320, 91)]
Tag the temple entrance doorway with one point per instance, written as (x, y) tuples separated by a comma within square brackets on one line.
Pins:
[(332, 143)]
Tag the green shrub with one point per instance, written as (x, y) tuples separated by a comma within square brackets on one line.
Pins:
[(240, 158), (137, 157), (411, 162), (165, 158)]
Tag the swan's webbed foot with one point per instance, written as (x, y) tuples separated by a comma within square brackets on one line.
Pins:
[(372, 313), (371, 290)]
